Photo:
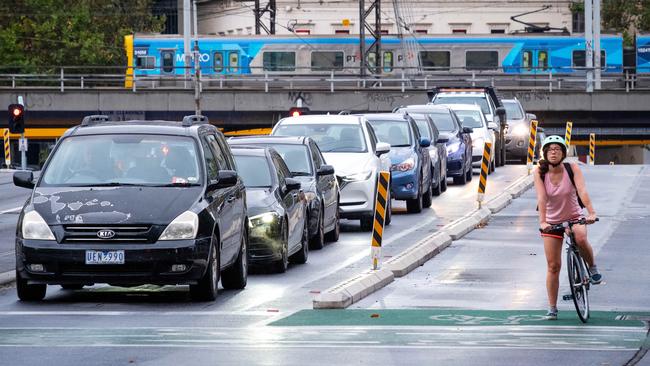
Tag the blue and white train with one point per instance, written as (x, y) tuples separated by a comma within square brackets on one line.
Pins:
[(162, 55)]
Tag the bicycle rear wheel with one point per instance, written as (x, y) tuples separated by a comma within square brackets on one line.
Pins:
[(578, 285)]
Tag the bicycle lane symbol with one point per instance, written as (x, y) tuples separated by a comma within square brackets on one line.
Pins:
[(461, 319)]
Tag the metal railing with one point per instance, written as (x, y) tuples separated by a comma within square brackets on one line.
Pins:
[(402, 79)]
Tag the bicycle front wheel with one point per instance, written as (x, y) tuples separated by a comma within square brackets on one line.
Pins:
[(578, 284)]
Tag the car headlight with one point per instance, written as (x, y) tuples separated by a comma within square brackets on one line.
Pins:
[(453, 147), (520, 130), (34, 227), (406, 165), (358, 176), (185, 226), (264, 219)]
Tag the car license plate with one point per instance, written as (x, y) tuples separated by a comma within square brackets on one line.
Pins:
[(104, 257)]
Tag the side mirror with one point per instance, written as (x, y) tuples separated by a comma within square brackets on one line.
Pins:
[(501, 112), (442, 140), (531, 116), (291, 184), (425, 142), (24, 179), (382, 148), (325, 170), (493, 126), (468, 129), (226, 178)]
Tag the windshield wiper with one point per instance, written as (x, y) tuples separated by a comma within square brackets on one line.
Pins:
[(302, 174), (109, 184), (407, 145), (177, 184)]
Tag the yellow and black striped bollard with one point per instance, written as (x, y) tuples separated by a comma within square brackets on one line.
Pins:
[(532, 141), (7, 148), (567, 135), (381, 203), (592, 148), (485, 164)]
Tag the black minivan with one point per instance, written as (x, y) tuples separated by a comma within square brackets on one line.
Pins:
[(136, 202)]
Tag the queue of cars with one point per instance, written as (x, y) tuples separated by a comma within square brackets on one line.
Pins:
[(175, 203)]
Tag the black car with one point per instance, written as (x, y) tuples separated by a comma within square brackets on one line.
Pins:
[(306, 163), (128, 203), (278, 230), (437, 152)]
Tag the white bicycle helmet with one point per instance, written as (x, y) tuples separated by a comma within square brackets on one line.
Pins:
[(554, 139)]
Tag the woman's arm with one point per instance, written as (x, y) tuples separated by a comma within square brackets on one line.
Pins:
[(541, 198), (581, 187)]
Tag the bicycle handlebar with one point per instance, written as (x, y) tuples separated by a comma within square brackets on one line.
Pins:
[(566, 224)]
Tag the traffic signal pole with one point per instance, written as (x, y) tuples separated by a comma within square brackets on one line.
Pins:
[(23, 149)]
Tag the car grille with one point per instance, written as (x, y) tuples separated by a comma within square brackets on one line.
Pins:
[(123, 234)]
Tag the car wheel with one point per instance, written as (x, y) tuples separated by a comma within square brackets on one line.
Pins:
[(29, 292), (389, 211), (333, 235), (366, 223), (301, 256), (437, 189), (443, 182), (318, 241), (461, 180), (426, 199), (415, 205), (74, 286), (469, 173), (208, 286), (280, 266), (235, 277)]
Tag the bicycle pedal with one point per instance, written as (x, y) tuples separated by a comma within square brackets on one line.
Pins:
[(567, 297)]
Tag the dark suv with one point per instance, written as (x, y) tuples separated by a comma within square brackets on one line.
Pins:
[(128, 203)]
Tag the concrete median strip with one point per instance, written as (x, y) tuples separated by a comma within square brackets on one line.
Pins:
[(350, 291)]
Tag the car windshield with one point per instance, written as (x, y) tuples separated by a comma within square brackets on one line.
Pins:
[(512, 110), (396, 133), (253, 170), (296, 157), (451, 99), (443, 121), (421, 122), (113, 160), (470, 118), (330, 137)]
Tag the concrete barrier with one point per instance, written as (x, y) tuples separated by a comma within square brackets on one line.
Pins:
[(499, 202), (348, 292), (418, 254)]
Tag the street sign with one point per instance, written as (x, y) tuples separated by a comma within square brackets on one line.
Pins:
[(22, 144)]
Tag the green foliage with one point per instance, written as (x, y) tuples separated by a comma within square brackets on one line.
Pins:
[(37, 35)]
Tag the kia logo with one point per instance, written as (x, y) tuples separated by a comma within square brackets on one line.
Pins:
[(105, 234)]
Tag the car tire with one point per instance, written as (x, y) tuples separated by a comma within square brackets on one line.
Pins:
[(281, 265), (415, 205), (426, 199), (462, 180), (236, 277), (301, 256), (333, 235), (366, 223), (72, 286), (470, 173), (318, 241), (207, 287), (443, 183), (389, 211), (29, 292), (437, 189)]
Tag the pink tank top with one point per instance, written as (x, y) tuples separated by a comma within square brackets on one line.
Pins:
[(561, 200)]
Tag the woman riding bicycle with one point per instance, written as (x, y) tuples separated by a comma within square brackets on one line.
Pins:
[(557, 199)]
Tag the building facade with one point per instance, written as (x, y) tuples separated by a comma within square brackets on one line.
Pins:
[(326, 17)]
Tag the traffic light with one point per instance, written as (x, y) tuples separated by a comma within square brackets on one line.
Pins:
[(298, 111), (16, 118)]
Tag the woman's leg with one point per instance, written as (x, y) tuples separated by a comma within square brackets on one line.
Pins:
[(580, 234), (553, 251)]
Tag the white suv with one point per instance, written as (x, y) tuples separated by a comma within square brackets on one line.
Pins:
[(350, 145), (483, 131)]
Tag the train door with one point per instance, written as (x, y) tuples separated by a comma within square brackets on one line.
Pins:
[(167, 62), (233, 62), (535, 61)]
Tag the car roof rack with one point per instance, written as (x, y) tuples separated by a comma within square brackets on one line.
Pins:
[(194, 119), (94, 119), (486, 89)]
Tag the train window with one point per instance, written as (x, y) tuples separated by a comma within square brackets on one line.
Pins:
[(527, 60), (167, 61), (372, 60), (388, 61), (233, 61), (481, 60), (542, 60), (217, 62), (279, 61), (580, 60), (435, 60), (326, 60), (145, 62)]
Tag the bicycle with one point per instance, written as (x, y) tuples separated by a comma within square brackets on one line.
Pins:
[(579, 277)]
